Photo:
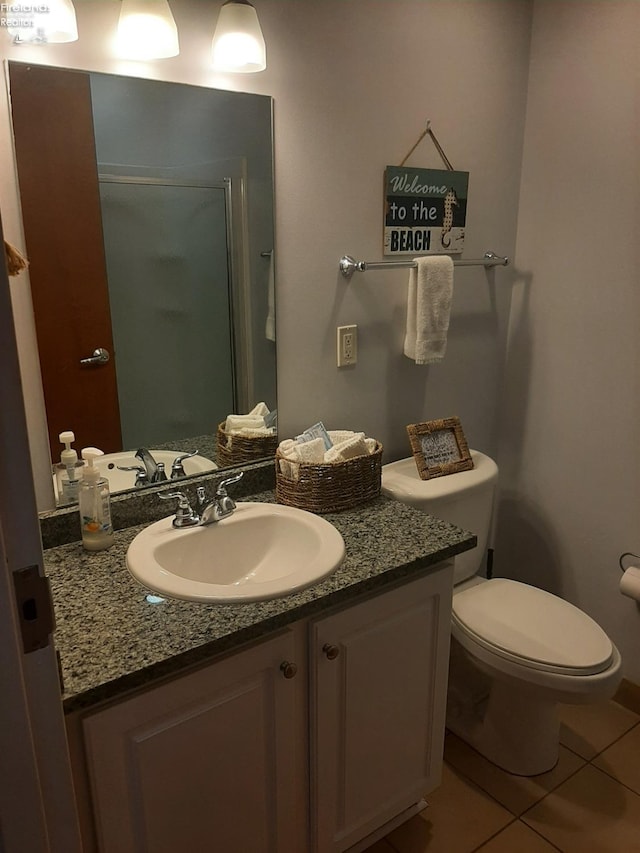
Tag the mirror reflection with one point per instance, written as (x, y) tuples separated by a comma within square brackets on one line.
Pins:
[(148, 216)]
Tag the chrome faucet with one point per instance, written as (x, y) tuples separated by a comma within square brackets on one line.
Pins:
[(155, 470), (221, 506), (185, 516)]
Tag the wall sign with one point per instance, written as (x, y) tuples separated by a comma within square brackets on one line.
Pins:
[(439, 448), (424, 211)]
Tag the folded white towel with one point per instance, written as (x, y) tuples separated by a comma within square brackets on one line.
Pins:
[(253, 432), (259, 410), (310, 452), (338, 435), (428, 309), (349, 449), (235, 423), (252, 421), (295, 452)]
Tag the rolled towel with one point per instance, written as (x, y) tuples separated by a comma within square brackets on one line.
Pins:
[(309, 452), (296, 452), (349, 449), (338, 435), (253, 432), (234, 423), (371, 445)]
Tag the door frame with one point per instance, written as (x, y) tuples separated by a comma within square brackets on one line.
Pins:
[(37, 803)]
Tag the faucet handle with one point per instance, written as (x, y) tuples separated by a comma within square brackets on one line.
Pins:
[(141, 473), (177, 468), (221, 489), (185, 516)]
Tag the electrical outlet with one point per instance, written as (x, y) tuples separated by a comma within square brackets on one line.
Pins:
[(347, 345)]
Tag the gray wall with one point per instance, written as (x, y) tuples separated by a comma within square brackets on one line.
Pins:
[(354, 83), (569, 450)]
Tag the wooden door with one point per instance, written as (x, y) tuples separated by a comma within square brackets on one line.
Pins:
[(379, 684), (209, 761), (37, 802), (57, 171)]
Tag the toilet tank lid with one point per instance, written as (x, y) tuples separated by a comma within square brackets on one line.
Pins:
[(401, 481)]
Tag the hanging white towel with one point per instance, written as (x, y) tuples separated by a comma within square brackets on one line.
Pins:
[(270, 323), (428, 309)]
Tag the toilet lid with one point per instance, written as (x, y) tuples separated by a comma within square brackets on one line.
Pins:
[(533, 627)]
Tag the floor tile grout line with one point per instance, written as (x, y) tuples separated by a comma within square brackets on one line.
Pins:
[(543, 796), (531, 828), (491, 837), (552, 791), (520, 818), (480, 788), (544, 838), (614, 778), (604, 748)]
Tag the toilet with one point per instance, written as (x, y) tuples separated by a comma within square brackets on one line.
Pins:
[(516, 651)]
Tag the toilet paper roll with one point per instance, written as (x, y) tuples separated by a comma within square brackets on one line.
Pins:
[(630, 583)]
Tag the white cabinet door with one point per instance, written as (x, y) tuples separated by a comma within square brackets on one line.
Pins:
[(209, 761), (379, 683)]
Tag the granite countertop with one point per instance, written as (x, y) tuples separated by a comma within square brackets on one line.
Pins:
[(111, 639)]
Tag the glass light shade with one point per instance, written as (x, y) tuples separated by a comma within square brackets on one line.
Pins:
[(146, 30), (54, 25), (238, 43)]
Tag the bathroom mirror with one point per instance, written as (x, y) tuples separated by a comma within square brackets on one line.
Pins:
[(148, 217)]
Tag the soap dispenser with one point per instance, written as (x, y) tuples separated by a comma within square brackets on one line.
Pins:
[(95, 505), (67, 471)]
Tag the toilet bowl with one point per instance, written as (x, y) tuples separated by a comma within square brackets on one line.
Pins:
[(516, 651)]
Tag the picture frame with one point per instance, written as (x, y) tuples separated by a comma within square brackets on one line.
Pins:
[(439, 447)]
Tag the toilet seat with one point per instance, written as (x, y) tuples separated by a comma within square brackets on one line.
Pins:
[(532, 628)]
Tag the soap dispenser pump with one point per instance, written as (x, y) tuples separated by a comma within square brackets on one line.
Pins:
[(67, 471), (95, 505)]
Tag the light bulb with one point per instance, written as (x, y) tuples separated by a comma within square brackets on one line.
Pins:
[(238, 44), (146, 30), (42, 23)]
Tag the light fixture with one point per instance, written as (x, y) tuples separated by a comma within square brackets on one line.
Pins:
[(238, 43), (41, 23), (146, 30)]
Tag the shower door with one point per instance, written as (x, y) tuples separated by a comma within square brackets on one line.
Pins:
[(167, 247)]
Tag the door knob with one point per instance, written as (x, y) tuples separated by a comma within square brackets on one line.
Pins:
[(100, 356), (331, 651), (288, 669)]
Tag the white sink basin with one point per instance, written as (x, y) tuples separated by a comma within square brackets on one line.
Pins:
[(121, 480), (261, 551)]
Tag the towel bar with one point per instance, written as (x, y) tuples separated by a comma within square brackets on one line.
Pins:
[(349, 265)]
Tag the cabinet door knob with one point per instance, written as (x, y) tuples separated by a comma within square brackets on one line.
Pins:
[(331, 651), (288, 669)]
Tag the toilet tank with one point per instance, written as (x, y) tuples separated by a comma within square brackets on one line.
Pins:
[(464, 499)]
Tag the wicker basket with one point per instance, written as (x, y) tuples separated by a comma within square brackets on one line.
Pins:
[(234, 449), (331, 488)]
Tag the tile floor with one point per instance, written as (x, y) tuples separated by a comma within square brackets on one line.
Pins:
[(589, 802)]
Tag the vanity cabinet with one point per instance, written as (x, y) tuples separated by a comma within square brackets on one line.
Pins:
[(320, 738), (378, 700), (207, 761)]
